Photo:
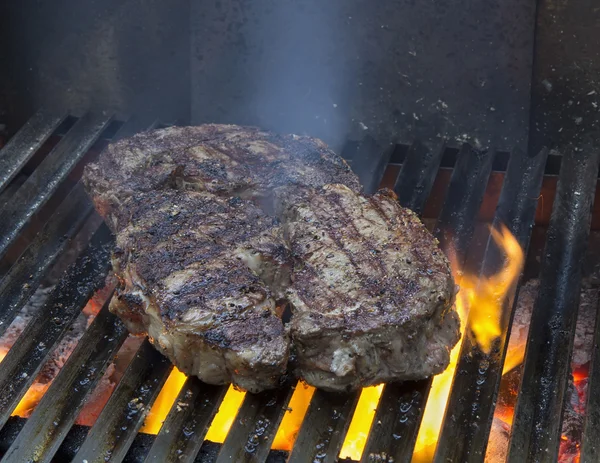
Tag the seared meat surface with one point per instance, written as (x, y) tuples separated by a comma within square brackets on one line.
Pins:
[(218, 227), (371, 290), (227, 160), (190, 267)]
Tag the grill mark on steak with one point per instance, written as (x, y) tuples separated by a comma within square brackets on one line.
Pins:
[(393, 304)]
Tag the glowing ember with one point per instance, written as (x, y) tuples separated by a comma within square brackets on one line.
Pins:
[(362, 420), (481, 299)]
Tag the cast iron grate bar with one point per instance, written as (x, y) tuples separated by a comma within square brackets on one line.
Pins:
[(537, 422), (590, 446), (470, 408), (182, 433), (369, 163), (403, 408), (25, 143), (417, 175), (44, 181), (25, 359), (396, 423), (123, 415), (324, 427), (26, 274), (54, 415), (463, 199), (255, 426)]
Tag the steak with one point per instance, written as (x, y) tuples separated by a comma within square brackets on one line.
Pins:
[(227, 160), (219, 227), (193, 271), (372, 292)]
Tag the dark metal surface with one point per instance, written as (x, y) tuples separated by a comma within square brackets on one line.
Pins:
[(44, 181), (470, 408), (418, 173), (182, 433), (129, 56), (462, 201), (324, 427), (136, 124), (123, 415), (25, 143), (396, 423), (255, 426), (25, 358), (369, 163), (564, 89), (403, 409), (55, 414), (344, 69), (537, 421), (25, 275)]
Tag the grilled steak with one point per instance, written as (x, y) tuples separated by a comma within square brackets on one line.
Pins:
[(219, 226), (372, 292), (193, 269), (224, 159)]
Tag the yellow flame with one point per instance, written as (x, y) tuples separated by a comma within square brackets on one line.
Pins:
[(362, 419), (436, 402), (164, 402), (227, 412), (481, 299), (292, 420), (486, 295)]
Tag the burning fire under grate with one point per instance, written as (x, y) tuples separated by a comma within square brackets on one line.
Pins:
[(75, 386)]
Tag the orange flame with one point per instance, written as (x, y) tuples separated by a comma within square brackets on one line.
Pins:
[(224, 418), (166, 398), (480, 300)]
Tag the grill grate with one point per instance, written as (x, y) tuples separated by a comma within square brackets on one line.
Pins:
[(469, 414), (50, 431), (536, 435)]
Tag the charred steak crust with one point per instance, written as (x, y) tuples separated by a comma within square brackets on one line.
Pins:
[(372, 292), (185, 280), (218, 226), (222, 159)]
